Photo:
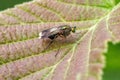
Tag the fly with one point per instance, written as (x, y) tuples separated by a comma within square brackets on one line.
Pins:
[(60, 31)]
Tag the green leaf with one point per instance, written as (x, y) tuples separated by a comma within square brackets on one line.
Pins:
[(80, 54)]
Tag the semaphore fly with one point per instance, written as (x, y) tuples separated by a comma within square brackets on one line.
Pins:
[(60, 31)]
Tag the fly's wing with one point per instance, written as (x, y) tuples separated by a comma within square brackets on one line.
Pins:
[(48, 32), (54, 31), (45, 33)]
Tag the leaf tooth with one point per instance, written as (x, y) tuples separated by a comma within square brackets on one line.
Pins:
[(95, 70), (98, 38), (97, 56), (114, 23)]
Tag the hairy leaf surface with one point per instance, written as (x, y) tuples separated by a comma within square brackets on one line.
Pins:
[(79, 55)]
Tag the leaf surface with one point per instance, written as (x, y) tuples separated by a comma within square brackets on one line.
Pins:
[(80, 55)]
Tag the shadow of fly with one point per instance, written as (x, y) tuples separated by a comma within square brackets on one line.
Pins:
[(52, 33)]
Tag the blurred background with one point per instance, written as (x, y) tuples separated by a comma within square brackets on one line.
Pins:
[(112, 70)]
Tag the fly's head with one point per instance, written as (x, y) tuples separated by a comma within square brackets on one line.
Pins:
[(73, 29), (68, 28)]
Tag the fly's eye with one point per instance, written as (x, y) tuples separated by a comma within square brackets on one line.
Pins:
[(73, 29)]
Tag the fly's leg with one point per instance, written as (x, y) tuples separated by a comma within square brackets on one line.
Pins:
[(57, 52), (50, 42), (48, 45), (64, 37)]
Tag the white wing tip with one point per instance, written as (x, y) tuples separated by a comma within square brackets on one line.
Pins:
[(40, 35)]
